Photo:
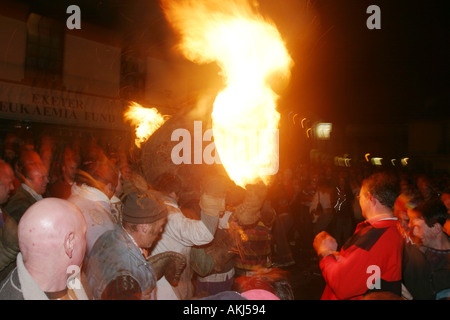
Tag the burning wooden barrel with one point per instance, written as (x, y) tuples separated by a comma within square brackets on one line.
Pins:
[(180, 138)]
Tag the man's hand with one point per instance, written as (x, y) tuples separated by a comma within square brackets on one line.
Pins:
[(212, 205), (324, 244)]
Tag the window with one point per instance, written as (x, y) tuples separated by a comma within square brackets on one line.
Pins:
[(132, 76), (44, 52)]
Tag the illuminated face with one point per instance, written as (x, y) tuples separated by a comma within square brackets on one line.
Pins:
[(70, 170), (419, 229), (38, 179), (403, 219), (6, 184), (156, 228)]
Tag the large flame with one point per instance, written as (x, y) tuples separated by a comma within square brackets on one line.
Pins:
[(145, 120), (251, 53)]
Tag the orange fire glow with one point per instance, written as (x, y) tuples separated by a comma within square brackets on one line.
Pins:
[(252, 56), (146, 121)]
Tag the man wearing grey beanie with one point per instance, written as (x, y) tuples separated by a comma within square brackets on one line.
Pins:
[(118, 267)]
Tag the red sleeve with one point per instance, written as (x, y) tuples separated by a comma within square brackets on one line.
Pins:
[(347, 275)]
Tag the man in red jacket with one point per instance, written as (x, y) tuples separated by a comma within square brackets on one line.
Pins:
[(371, 259)]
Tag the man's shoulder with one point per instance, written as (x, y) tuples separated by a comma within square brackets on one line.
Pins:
[(20, 195), (367, 237), (18, 203), (10, 288)]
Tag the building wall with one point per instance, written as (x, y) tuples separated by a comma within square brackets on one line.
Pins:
[(13, 35), (91, 67), (89, 93)]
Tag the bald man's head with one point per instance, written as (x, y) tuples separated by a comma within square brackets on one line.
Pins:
[(52, 231)]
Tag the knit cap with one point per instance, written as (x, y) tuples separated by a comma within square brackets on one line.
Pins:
[(143, 209)]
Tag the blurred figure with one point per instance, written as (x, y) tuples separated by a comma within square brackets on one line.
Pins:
[(321, 207), (251, 227), (62, 187), (6, 185), (182, 233), (46, 150), (95, 185), (376, 242), (408, 199), (52, 245), (33, 176), (34, 179), (116, 202), (119, 268), (425, 187), (281, 198), (355, 184), (305, 226), (426, 266), (445, 198), (213, 263), (343, 215)]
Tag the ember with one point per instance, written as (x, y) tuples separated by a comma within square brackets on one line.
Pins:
[(146, 121)]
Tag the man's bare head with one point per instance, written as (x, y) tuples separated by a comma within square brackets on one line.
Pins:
[(51, 238)]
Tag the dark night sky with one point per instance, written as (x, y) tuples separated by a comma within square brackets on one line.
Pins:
[(389, 75), (343, 71)]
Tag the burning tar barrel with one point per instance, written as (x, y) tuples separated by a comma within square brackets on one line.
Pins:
[(178, 147)]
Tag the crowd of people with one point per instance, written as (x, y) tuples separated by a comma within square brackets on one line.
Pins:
[(80, 221)]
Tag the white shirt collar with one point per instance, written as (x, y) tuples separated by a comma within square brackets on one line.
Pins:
[(33, 193), (90, 193)]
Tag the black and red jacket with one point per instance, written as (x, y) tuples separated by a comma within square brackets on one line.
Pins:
[(374, 243)]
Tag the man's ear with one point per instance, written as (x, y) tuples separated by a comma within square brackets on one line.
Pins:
[(436, 229), (143, 227), (68, 244), (371, 198)]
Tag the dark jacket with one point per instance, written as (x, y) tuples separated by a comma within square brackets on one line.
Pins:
[(115, 259), (19, 203), (9, 243), (424, 279)]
